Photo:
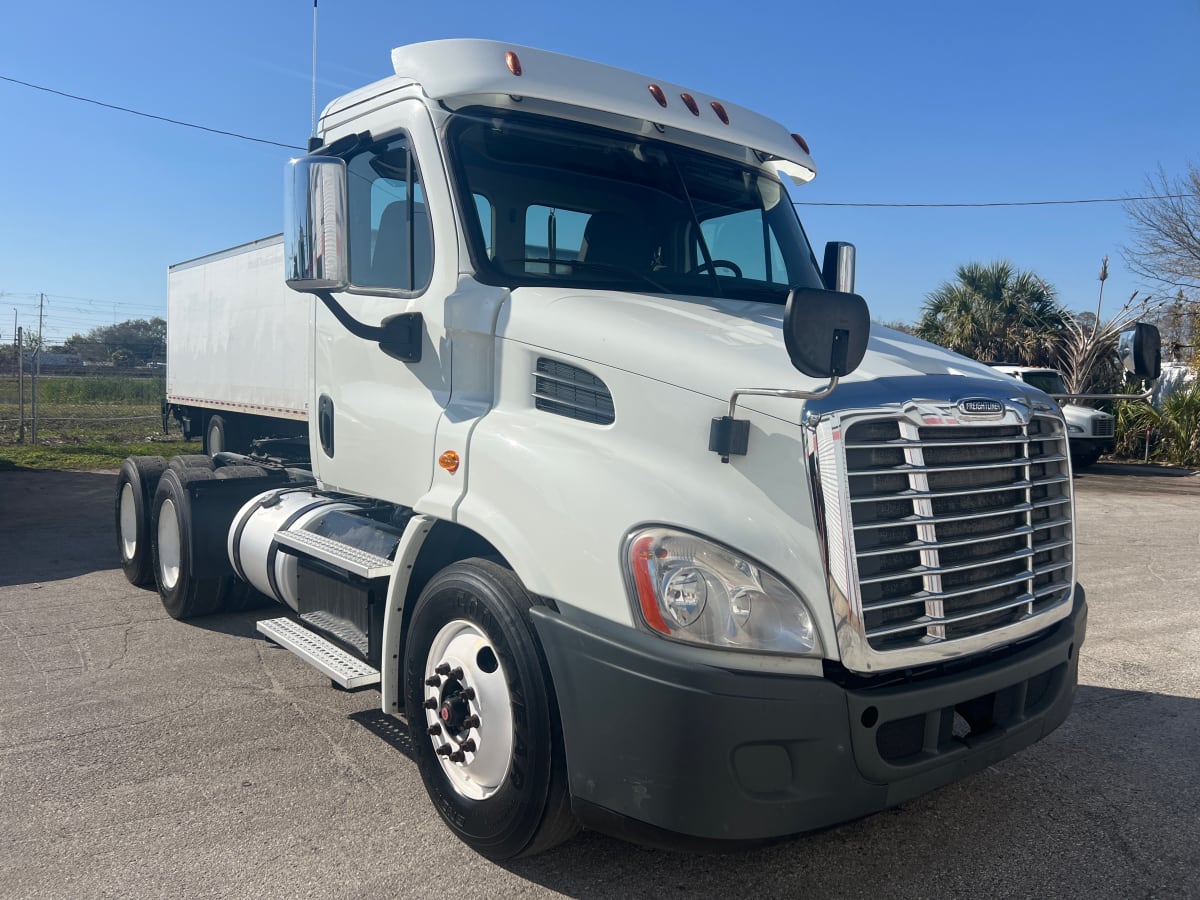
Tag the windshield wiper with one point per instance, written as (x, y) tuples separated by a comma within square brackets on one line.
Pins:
[(583, 264)]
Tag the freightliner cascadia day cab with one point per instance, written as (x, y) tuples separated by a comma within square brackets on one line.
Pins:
[(610, 487)]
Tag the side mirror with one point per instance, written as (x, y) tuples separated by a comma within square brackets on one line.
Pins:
[(314, 232), (1140, 351), (837, 269), (826, 332)]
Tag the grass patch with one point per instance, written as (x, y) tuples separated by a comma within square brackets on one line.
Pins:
[(87, 456)]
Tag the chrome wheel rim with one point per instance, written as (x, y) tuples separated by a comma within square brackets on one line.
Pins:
[(468, 710)]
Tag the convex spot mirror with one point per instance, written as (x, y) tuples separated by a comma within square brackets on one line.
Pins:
[(314, 230), (1140, 350), (826, 332)]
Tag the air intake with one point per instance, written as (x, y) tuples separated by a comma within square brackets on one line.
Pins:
[(570, 391)]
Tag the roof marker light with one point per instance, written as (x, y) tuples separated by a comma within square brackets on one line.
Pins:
[(513, 61), (690, 102), (657, 93), (720, 111), (802, 142)]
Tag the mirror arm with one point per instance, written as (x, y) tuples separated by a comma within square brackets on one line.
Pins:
[(730, 437), (1143, 396), (398, 336)]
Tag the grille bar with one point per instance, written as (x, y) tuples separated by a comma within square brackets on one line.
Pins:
[(918, 571), (935, 495), (1004, 464), (921, 520), (926, 622)]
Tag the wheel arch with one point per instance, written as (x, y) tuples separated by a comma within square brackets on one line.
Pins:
[(429, 545)]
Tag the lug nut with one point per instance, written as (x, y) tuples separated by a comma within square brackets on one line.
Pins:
[(433, 681), (444, 750), (468, 694), (431, 703), (467, 746), (457, 673), (443, 669), (471, 722), (434, 730), (458, 756)]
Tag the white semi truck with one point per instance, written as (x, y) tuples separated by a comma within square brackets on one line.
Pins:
[(607, 485), (1090, 432)]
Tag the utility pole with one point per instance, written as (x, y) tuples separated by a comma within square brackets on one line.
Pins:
[(21, 385), (37, 365)]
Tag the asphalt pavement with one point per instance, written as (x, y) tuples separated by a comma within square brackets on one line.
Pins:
[(144, 757)]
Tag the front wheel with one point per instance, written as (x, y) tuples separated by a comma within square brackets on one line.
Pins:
[(482, 714)]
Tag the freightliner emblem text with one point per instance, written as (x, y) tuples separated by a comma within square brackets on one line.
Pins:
[(979, 406)]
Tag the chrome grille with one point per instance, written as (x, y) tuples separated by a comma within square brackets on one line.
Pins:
[(957, 530), (1104, 427)]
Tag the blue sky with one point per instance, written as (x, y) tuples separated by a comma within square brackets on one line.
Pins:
[(901, 102)]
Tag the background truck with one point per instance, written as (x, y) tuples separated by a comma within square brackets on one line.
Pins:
[(1090, 432), (611, 488)]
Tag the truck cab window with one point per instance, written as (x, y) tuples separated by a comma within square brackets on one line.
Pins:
[(391, 239)]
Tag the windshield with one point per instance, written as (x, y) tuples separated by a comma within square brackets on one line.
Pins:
[(1050, 382), (558, 203)]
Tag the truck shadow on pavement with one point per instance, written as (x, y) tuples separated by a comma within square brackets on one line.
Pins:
[(43, 538), (1104, 807)]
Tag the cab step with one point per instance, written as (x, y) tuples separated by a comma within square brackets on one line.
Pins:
[(342, 668), (343, 556)]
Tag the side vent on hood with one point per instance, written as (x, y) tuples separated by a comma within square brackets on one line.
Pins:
[(567, 390)]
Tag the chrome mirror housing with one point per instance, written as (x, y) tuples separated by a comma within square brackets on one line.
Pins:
[(314, 231)]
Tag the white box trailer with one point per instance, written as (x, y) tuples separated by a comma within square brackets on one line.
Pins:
[(238, 348)]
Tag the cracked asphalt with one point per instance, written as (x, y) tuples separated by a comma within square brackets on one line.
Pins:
[(143, 757)]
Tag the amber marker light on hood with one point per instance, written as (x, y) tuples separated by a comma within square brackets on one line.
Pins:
[(449, 461)]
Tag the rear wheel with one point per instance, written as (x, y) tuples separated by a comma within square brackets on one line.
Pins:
[(185, 592), (222, 434), (136, 483), (482, 713)]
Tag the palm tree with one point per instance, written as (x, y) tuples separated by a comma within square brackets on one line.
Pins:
[(995, 313)]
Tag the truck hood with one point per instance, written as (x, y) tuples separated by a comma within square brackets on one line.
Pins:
[(702, 344)]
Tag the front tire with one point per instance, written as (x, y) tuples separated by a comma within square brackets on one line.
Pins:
[(482, 714)]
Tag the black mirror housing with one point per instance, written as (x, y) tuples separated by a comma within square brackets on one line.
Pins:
[(1140, 350), (826, 332)]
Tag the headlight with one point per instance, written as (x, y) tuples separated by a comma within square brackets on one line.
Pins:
[(1076, 429), (693, 590)]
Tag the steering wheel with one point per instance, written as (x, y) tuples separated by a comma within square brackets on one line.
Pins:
[(715, 264)]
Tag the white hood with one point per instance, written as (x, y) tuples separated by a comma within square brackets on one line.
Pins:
[(706, 345)]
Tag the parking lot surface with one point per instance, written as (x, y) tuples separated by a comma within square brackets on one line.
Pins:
[(144, 757)]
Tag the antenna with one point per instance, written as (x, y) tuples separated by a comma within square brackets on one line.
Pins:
[(313, 141)]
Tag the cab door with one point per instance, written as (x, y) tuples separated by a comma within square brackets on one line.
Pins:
[(375, 415)]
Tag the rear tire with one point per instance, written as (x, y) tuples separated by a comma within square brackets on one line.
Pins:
[(504, 791), (222, 434), (136, 484), (185, 593)]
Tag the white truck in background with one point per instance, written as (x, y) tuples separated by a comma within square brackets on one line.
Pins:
[(1090, 432), (611, 489)]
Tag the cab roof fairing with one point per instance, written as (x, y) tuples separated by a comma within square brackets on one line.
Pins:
[(464, 68)]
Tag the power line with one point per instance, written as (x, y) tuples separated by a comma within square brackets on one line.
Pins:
[(134, 112), (969, 205), (995, 203)]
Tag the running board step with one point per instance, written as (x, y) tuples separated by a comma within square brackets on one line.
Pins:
[(351, 559), (344, 669)]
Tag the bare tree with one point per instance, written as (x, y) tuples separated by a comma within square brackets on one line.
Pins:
[(1165, 246)]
